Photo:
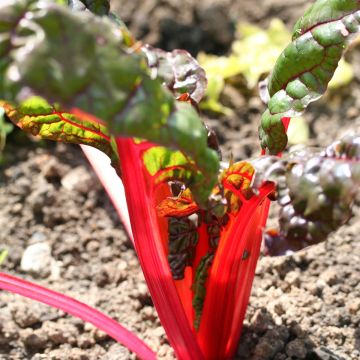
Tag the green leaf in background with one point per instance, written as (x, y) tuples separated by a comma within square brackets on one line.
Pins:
[(252, 46), (3, 255), (298, 131), (343, 75), (253, 54), (259, 49)]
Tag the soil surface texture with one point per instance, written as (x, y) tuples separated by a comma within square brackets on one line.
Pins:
[(54, 211)]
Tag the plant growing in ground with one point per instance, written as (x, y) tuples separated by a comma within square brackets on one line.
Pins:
[(197, 227)]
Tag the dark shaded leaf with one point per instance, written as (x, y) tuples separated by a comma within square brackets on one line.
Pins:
[(183, 237)]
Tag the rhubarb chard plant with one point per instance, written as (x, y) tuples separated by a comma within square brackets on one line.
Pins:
[(71, 71)]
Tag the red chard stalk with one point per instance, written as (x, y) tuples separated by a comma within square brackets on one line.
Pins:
[(197, 227)]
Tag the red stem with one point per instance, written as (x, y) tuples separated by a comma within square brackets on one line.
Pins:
[(150, 250), (232, 276), (78, 309)]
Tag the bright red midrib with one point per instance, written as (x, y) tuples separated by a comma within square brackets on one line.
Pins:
[(80, 126), (151, 255)]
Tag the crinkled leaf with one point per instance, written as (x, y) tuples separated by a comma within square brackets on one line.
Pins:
[(96, 72), (315, 190), (323, 11), (306, 66), (179, 71), (37, 117), (183, 237), (179, 206), (346, 148), (247, 58)]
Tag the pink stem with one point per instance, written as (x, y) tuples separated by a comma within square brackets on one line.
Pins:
[(78, 309), (111, 182)]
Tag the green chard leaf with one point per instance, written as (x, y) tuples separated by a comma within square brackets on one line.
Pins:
[(37, 117), (96, 72), (315, 190), (304, 69)]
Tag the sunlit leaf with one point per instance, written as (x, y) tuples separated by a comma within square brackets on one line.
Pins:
[(304, 69), (3, 255), (37, 117), (179, 206)]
